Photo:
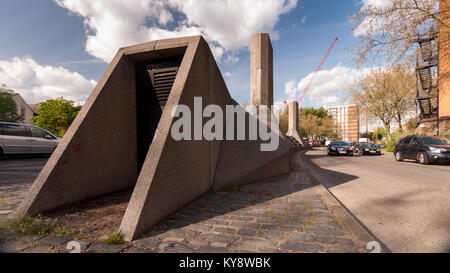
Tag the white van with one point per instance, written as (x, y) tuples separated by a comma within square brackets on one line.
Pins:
[(18, 138)]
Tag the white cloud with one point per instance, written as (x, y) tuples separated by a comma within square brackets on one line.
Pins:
[(226, 24), (371, 23), (228, 74), (329, 87), (304, 19), (36, 83)]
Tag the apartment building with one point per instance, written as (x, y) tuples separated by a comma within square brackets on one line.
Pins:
[(346, 119)]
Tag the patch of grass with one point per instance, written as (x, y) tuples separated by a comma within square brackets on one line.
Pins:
[(114, 239), (64, 232), (30, 225), (2, 197)]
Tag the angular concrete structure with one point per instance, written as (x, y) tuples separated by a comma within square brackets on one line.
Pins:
[(293, 133), (261, 70), (121, 139)]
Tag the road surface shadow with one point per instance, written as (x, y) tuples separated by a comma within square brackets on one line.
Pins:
[(321, 175)]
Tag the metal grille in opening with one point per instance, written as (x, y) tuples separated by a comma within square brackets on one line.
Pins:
[(162, 81)]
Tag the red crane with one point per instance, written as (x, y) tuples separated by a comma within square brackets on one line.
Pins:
[(317, 70)]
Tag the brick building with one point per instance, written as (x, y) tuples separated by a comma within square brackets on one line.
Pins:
[(346, 119), (429, 126)]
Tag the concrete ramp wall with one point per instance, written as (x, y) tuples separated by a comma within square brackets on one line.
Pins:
[(100, 154)]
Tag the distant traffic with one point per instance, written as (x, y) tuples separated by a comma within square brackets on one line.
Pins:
[(424, 150)]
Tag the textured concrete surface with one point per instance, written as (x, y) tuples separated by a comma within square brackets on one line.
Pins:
[(404, 204), (261, 70)]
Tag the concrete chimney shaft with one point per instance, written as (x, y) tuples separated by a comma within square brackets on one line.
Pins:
[(261, 70), (293, 122)]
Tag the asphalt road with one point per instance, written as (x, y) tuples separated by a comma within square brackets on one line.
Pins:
[(20, 169), (16, 176), (404, 204)]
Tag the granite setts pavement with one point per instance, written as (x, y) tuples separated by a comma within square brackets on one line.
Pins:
[(281, 215)]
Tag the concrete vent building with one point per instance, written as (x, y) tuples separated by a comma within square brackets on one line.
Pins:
[(102, 155)]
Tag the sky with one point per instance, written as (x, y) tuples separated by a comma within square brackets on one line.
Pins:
[(54, 48)]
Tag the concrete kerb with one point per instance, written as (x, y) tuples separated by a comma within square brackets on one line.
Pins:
[(361, 235)]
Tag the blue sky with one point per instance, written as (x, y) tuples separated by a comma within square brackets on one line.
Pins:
[(61, 48)]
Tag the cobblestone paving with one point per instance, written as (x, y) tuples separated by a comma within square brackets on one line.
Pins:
[(16, 177), (278, 215)]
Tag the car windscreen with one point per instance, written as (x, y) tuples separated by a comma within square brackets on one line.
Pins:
[(435, 141), (371, 145), (339, 143)]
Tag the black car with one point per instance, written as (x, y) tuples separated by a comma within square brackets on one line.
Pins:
[(423, 149), (369, 149), (340, 148)]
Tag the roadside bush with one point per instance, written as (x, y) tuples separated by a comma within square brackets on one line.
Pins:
[(390, 145)]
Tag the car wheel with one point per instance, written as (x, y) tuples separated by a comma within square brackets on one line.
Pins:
[(423, 158), (350, 154), (398, 156)]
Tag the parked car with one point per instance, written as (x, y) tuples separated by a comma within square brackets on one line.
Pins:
[(314, 142), (423, 149), (18, 138), (369, 149), (340, 148)]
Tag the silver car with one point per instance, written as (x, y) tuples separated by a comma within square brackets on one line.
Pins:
[(25, 139)]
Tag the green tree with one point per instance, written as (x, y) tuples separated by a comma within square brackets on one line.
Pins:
[(380, 131), (8, 107), (284, 120), (56, 115), (318, 112), (386, 94)]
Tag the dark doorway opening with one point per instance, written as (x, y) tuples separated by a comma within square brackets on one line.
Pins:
[(154, 81)]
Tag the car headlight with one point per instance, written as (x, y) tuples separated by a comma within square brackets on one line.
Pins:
[(436, 150), (366, 150)]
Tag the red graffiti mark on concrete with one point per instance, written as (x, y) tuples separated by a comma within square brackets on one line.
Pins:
[(77, 147)]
